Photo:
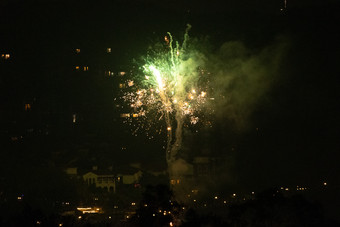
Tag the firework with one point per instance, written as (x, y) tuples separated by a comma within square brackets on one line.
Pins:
[(170, 90)]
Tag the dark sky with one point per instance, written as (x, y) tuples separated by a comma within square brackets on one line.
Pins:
[(297, 119)]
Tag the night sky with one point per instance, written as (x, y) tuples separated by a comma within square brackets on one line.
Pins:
[(281, 128)]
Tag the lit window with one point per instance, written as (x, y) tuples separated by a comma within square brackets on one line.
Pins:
[(125, 115), (27, 106), (77, 51), (86, 68), (109, 73), (122, 73), (172, 181), (134, 115), (178, 181), (122, 86), (5, 56), (77, 67), (108, 50), (74, 118)]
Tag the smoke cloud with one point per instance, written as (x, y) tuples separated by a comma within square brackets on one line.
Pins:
[(242, 77)]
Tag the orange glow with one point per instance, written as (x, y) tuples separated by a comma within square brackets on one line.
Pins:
[(27, 106), (89, 210)]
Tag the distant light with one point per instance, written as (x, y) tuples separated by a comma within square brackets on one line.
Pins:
[(27, 106), (61, 224), (234, 195), (325, 183), (252, 193), (38, 222), (5, 56), (77, 50), (108, 50), (287, 189), (170, 224), (130, 83), (145, 205), (133, 204), (194, 200), (109, 217), (79, 217), (169, 128), (224, 202), (154, 215), (216, 197)]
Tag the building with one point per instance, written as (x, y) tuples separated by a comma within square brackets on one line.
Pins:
[(110, 180)]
